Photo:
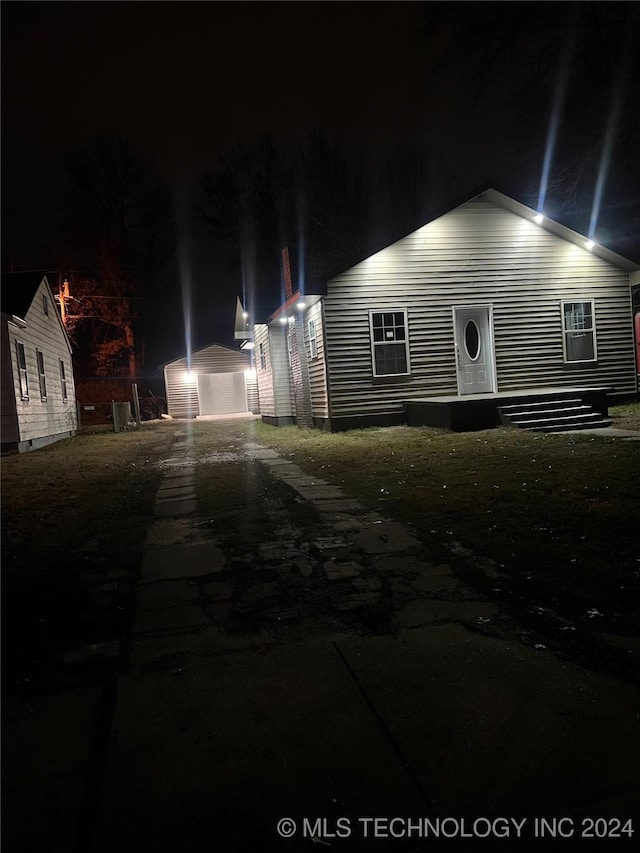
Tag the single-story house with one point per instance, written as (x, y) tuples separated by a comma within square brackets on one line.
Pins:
[(635, 299), (213, 380), (38, 393), (486, 301)]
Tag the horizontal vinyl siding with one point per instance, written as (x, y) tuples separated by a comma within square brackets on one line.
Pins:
[(182, 393), (477, 254), (8, 413), (39, 418), (317, 366), (253, 400), (281, 373), (264, 376)]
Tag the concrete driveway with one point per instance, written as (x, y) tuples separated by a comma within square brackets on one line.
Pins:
[(335, 687)]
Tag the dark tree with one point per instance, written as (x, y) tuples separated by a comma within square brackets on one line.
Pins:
[(121, 205), (121, 234), (405, 187), (100, 318), (572, 68), (245, 203), (313, 199), (333, 206)]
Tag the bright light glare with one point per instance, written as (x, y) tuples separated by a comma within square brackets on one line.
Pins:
[(302, 305), (283, 320), (245, 315), (538, 218), (250, 374), (190, 376), (608, 143), (554, 121), (589, 244)]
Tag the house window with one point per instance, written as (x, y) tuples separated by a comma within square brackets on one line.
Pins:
[(313, 340), (289, 349), (263, 358), (22, 371), (45, 304), (63, 382), (578, 326), (42, 379), (389, 344)]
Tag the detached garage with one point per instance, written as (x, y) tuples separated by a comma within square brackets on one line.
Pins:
[(218, 380)]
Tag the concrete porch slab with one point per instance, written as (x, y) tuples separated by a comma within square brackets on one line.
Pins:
[(480, 411)]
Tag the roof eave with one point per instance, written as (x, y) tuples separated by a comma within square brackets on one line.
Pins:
[(557, 228), (297, 300), (17, 321)]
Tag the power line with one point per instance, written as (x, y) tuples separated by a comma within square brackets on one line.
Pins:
[(129, 298)]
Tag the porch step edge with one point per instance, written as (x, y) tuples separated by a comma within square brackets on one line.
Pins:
[(540, 403), (560, 412), (600, 424)]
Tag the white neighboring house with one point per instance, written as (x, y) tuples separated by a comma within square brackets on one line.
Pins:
[(38, 400)]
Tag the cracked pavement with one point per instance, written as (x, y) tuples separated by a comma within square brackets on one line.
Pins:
[(332, 669)]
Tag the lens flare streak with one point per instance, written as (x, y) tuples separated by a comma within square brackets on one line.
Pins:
[(605, 157), (556, 111)]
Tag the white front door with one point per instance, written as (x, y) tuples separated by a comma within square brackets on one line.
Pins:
[(475, 361)]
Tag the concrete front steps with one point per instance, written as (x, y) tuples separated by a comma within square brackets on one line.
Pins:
[(558, 415)]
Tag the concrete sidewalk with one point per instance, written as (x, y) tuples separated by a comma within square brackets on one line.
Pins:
[(304, 715)]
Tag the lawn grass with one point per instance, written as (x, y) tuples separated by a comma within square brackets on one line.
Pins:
[(63, 494), (626, 416), (73, 514), (559, 513)]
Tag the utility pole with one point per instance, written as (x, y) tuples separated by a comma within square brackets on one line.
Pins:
[(63, 296)]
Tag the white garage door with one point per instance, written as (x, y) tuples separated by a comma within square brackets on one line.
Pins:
[(222, 393)]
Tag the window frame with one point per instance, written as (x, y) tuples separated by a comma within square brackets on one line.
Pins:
[(263, 356), (45, 304), (23, 377), (589, 330), (375, 311), (63, 380), (42, 376), (313, 339)]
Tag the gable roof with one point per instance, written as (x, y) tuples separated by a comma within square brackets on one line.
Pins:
[(508, 203), (319, 287), (557, 228), (241, 329), (19, 290), (235, 350)]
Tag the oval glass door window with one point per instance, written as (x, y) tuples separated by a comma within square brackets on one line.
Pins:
[(472, 339)]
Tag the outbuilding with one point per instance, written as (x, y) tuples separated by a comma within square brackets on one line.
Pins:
[(213, 380), (38, 393), (486, 303)]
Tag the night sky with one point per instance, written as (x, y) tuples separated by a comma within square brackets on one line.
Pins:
[(187, 81)]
